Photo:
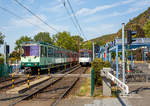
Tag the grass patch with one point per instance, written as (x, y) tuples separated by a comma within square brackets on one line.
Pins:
[(85, 89)]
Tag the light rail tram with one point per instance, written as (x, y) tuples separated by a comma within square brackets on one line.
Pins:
[(85, 57), (40, 55)]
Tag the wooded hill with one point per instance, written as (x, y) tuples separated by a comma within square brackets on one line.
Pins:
[(141, 24)]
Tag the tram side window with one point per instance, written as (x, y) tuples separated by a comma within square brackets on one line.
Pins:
[(50, 52), (43, 51), (56, 53)]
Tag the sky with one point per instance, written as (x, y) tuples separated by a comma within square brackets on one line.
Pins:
[(96, 17)]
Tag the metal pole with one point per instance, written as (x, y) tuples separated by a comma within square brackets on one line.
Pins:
[(28, 81), (49, 71), (92, 82), (5, 58), (131, 59), (117, 69), (110, 57), (123, 54), (105, 54), (93, 51), (38, 73), (13, 80)]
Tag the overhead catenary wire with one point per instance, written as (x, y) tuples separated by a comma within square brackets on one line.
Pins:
[(12, 13), (19, 3), (76, 19), (75, 25)]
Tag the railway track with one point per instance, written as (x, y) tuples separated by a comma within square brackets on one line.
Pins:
[(6, 84), (18, 81), (7, 79), (57, 91), (13, 100)]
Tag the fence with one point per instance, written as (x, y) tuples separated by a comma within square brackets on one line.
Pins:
[(4, 72)]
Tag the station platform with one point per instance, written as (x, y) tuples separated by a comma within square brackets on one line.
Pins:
[(23, 87), (71, 75)]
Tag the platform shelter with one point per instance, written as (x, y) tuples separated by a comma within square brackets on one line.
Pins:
[(105, 52)]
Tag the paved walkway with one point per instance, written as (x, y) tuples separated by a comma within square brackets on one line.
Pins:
[(121, 101), (110, 102)]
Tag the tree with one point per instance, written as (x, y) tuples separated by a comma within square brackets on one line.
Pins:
[(146, 29), (21, 40), (87, 45), (76, 41), (1, 38), (43, 37), (15, 54), (140, 32), (63, 39)]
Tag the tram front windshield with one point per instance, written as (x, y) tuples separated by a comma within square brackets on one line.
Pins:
[(84, 54), (30, 50)]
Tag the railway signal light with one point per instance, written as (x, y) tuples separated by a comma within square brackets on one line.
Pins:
[(7, 50), (96, 48), (129, 36)]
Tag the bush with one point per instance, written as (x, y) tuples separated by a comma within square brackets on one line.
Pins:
[(1, 60), (98, 65)]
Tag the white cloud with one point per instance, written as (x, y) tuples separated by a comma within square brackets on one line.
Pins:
[(139, 5), (88, 11), (22, 23), (58, 27), (55, 8), (25, 22), (31, 1), (78, 2)]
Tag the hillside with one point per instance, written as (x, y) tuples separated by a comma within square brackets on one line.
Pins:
[(136, 23)]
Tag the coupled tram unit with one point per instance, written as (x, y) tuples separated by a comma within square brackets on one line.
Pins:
[(40, 55), (85, 57)]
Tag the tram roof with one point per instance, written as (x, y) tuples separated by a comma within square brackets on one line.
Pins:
[(44, 43)]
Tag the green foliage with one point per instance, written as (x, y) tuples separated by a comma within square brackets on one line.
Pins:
[(21, 40), (147, 29), (1, 60), (87, 45), (63, 39), (1, 38), (98, 65), (76, 41), (104, 39), (15, 55), (43, 37)]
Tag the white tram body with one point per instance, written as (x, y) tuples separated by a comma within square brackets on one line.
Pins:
[(85, 57)]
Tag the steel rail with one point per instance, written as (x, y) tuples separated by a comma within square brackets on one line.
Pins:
[(45, 85), (67, 91), (17, 82)]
